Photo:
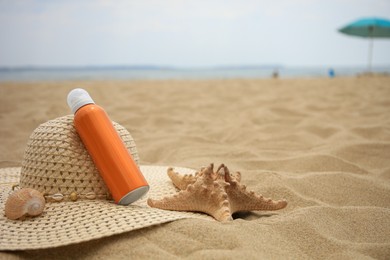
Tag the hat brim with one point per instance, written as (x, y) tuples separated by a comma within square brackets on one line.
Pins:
[(64, 223)]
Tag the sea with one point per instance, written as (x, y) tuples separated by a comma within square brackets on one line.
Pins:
[(161, 73)]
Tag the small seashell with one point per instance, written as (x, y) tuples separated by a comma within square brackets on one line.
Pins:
[(73, 196), (57, 197), (23, 202), (90, 195)]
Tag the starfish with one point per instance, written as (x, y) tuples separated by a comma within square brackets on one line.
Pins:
[(219, 194)]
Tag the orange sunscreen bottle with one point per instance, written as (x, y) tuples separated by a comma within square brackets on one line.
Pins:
[(113, 161)]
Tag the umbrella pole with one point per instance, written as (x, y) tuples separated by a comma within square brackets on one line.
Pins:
[(370, 53)]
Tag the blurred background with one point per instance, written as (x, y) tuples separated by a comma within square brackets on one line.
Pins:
[(185, 39)]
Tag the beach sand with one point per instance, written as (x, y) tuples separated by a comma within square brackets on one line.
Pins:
[(322, 144)]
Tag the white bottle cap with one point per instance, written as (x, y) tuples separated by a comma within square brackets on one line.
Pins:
[(77, 98)]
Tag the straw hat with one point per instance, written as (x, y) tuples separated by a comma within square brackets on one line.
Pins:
[(78, 205)]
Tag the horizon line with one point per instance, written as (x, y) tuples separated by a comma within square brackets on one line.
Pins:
[(172, 67)]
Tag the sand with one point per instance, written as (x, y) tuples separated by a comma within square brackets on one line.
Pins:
[(322, 144)]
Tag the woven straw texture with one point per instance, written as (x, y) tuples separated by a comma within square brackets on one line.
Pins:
[(57, 164), (67, 222), (56, 161)]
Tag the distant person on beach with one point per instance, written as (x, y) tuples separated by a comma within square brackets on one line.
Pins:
[(331, 73), (275, 74)]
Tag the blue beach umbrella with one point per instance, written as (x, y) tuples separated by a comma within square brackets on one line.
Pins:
[(368, 28)]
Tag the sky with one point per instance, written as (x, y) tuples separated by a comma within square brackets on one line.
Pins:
[(192, 33)]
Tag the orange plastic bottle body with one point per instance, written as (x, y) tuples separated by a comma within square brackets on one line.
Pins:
[(110, 155)]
